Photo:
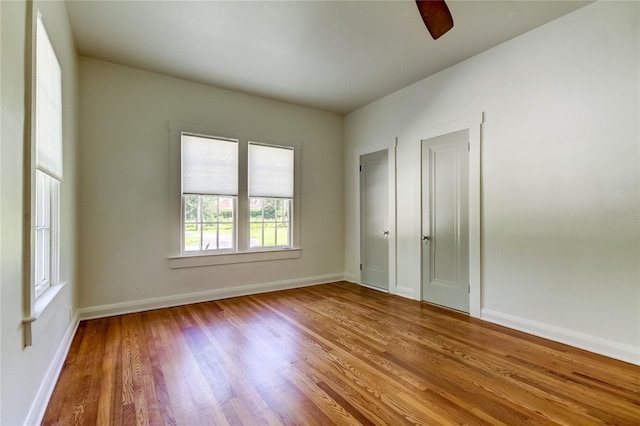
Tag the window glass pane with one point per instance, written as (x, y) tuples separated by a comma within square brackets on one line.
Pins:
[(210, 237), (280, 210), (269, 210), (269, 235), (42, 229), (255, 239), (209, 208), (226, 236), (283, 235), (270, 222), (209, 222), (190, 208), (192, 236), (255, 207), (225, 209)]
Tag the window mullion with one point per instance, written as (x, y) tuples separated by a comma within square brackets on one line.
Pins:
[(262, 223), (218, 222), (242, 218), (275, 221), (200, 222)]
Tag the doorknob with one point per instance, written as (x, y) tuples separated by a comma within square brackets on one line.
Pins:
[(426, 238), (385, 232)]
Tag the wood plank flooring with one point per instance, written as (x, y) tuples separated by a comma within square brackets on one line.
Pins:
[(331, 354)]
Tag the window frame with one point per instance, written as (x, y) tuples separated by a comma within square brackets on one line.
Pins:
[(242, 253)]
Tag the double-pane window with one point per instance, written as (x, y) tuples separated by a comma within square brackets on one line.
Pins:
[(211, 198)]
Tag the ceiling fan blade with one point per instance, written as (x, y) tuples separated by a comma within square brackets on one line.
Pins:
[(436, 16)]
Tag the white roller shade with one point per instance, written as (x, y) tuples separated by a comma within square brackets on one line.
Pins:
[(209, 166), (48, 120), (270, 171)]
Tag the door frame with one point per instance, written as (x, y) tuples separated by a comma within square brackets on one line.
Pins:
[(474, 125), (391, 176)]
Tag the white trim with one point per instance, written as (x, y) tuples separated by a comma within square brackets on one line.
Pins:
[(405, 290), (453, 126), (202, 296), (474, 125), (391, 166), (371, 287), (176, 262), (351, 278), (41, 400), (44, 301), (609, 348)]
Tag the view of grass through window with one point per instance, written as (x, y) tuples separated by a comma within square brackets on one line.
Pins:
[(208, 222), (269, 222)]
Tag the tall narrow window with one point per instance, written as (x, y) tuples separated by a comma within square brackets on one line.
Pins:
[(209, 193), (48, 174), (270, 195)]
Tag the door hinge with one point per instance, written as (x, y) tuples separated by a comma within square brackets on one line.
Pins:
[(469, 288), (361, 266), (360, 168), (469, 146)]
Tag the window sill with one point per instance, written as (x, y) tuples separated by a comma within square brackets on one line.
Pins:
[(177, 262), (43, 301), (40, 305)]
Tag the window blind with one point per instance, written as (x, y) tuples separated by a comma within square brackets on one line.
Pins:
[(48, 98), (270, 171), (209, 166)]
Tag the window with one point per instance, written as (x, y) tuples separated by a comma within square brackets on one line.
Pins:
[(48, 164), (271, 195), (209, 193), (236, 197)]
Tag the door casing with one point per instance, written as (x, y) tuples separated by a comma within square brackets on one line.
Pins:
[(445, 222), (474, 125)]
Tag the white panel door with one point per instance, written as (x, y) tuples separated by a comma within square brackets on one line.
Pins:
[(445, 220), (374, 220)]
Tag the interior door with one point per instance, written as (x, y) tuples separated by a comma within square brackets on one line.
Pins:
[(374, 219), (445, 220)]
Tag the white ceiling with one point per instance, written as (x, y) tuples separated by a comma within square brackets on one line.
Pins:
[(331, 55)]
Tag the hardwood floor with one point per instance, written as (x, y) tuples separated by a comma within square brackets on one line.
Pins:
[(331, 354)]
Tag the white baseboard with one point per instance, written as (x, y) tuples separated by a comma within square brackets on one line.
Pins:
[(102, 311), (398, 290), (352, 278), (381, 290), (405, 290), (40, 402), (598, 345)]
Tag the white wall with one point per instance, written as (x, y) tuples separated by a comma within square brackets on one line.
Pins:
[(126, 199), (27, 374), (560, 151)]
